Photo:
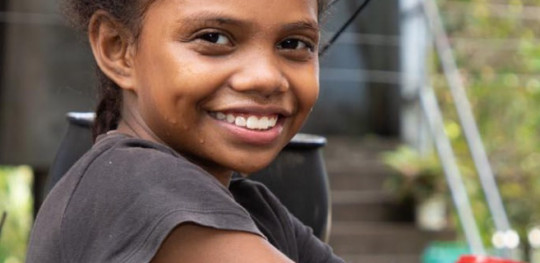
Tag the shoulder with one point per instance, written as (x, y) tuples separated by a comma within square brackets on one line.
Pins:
[(133, 193), (247, 188), (125, 164), (270, 215), (283, 230), (265, 208)]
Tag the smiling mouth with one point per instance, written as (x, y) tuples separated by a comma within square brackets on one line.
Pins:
[(248, 121)]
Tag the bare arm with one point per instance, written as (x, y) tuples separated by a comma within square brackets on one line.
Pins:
[(194, 243)]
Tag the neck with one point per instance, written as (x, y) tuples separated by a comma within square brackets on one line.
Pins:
[(224, 177), (124, 126), (132, 123)]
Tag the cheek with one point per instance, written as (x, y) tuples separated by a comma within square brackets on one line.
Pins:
[(307, 90), (183, 86), (198, 79)]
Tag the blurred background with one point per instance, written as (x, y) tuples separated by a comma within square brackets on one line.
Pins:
[(382, 86)]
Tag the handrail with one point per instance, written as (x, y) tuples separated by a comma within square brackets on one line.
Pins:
[(432, 112), (466, 119)]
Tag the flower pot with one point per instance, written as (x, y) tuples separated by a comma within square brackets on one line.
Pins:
[(432, 213)]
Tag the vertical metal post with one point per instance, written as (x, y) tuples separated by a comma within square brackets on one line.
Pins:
[(413, 52)]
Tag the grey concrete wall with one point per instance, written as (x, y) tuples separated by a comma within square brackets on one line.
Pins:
[(46, 73)]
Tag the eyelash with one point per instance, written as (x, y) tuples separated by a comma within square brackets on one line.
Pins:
[(206, 36), (307, 45), (215, 37)]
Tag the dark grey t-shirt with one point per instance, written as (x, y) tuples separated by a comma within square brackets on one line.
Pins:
[(122, 198)]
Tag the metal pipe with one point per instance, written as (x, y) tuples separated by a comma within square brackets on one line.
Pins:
[(466, 117), (459, 195)]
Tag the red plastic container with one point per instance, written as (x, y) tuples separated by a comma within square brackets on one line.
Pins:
[(483, 259)]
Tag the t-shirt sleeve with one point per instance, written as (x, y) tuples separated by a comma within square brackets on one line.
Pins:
[(131, 198), (310, 248), (284, 230)]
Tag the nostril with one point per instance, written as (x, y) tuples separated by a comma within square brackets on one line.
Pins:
[(265, 84), (262, 74)]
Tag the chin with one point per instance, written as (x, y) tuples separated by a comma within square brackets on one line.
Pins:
[(252, 167), (253, 163)]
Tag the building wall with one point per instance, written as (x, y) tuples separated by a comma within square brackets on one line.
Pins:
[(46, 73), (359, 89)]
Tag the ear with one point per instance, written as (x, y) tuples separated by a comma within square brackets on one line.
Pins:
[(113, 48)]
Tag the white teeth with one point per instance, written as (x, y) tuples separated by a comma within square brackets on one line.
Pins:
[(230, 118), (251, 122), (264, 123), (240, 121), (220, 116), (272, 122)]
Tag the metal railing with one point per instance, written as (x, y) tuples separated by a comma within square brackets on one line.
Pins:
[(474, 142), (431, 110)]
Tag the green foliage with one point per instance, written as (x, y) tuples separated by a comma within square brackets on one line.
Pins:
[(16, 200), (416, 177), (497, 46)]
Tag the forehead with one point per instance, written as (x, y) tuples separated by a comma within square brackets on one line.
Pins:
[(267, 12)]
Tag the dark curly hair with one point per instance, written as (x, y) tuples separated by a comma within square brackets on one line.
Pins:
[(130, 14)]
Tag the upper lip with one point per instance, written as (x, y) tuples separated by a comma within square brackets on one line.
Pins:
[(255, 109)]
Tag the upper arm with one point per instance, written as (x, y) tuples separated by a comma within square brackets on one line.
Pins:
[(195, 243)]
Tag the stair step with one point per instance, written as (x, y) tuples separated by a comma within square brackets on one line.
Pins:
[(355, 165), (356, 151), (361, 197), (369, 206), (366, 145), (364, 180), (369, 223), (382, 238), (352, 164)]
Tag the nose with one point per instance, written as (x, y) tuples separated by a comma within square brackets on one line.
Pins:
[(261, 74)]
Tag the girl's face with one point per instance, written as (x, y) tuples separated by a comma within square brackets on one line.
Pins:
[(227, 83)]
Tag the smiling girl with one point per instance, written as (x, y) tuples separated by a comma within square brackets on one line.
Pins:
[(191, 91)]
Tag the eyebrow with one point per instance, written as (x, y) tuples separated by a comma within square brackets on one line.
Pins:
[(223, 19), (305, 24), (211, 17)]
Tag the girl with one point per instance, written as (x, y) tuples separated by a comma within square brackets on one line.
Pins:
[(191, 90)]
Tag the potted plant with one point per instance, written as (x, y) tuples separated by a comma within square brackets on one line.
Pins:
[(419, 179)]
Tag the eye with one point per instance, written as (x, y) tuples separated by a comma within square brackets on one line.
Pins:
[(295, 44), (215, 38)]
